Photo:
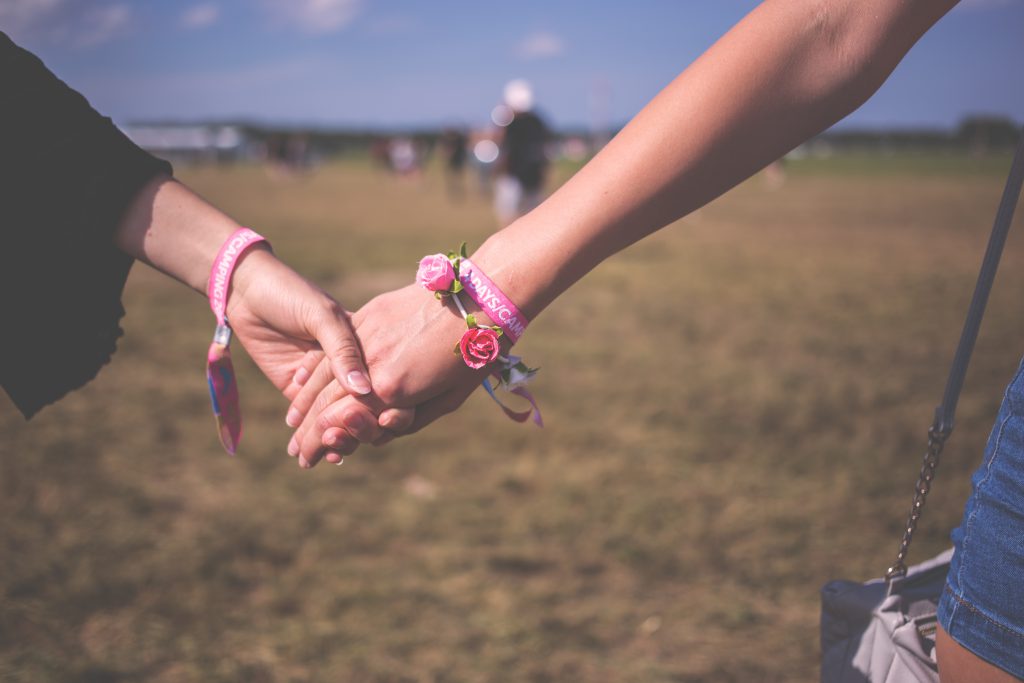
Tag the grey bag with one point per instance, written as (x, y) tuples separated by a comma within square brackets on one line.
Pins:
[(883, 631)]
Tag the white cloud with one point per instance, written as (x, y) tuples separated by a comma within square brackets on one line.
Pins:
[(315, 16), (200, 16), (80, 23), (540, 45), (23, 15), (101, 25)]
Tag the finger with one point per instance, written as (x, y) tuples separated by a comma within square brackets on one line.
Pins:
[(333, 436), (347, 445), (338, 339), (320, 377), (331, 393), (336, 456), (397, 420), (359, 419), (335, 414), (310, 362), (394, 422)]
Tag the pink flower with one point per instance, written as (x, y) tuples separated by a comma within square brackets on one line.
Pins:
[(436, 273), (479, 346)]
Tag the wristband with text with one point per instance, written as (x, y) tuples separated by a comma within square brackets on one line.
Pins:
[(447, 276), (220, 373), (492, 301)]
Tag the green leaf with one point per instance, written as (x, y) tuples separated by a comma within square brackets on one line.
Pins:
[(457, 287), (471, 320), (462, 250)]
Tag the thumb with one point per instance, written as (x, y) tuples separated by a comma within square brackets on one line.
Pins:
[(337, 338)]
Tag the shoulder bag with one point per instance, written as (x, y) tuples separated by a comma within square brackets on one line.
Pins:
[(883, 631)]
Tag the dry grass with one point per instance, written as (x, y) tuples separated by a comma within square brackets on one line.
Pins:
[(739, 417)]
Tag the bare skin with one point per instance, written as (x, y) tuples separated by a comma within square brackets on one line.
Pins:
[(957, 664), (786, 72), (278, 315)]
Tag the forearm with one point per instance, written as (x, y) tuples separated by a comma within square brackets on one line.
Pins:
[(175, 231), (786, 72)]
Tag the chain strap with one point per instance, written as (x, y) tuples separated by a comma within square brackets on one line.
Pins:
[(942, 427), (937, 435)]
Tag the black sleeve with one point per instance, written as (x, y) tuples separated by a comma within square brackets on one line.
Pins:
[(67, 175)]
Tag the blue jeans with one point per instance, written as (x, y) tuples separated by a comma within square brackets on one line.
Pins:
[(982, 606)]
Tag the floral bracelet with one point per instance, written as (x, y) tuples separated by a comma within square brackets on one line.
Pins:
[(480, 345)]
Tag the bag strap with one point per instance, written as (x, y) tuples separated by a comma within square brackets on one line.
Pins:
[(942, 426)]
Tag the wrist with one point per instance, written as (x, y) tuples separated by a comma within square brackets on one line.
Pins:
[(526, 277), (173, 230), (256, 263)]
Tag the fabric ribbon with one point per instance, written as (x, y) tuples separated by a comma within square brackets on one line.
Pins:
[(517, 415)]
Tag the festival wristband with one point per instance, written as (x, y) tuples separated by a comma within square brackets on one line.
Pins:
[(447, 276), (492, 300), (220, 373)]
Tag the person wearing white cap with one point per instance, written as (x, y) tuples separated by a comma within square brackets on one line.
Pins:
[(522, 163)]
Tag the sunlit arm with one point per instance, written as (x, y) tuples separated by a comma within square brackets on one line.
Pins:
[(787, 71)]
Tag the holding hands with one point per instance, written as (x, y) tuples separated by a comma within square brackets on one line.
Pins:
[(407, 338)]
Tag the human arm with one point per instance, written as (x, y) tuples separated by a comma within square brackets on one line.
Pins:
[(277, 314), (787, 71), (79, 201)]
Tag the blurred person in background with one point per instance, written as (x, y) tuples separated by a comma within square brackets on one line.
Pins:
[(79, 202), (522, 161), (786, 72), (405, 158), (454, 154)]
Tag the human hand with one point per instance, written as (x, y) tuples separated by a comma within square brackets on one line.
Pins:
[(407, 338), (280, 317)]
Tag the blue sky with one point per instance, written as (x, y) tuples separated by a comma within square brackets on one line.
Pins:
[(399, 62)]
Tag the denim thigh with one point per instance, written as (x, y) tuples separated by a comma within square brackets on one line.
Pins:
[(982, 606)]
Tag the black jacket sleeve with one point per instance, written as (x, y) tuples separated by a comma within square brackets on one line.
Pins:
[(67, 175)]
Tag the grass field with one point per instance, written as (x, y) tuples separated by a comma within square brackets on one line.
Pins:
[(742, 420)]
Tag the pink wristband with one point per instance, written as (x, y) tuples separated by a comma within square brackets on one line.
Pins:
[(220, 373), (224, 266), (492, 300)]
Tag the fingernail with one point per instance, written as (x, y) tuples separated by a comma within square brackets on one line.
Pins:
[(340, 462), (303, 463), (294, 417), (387, 421), (293, 447), (359, 382), (301, 376)]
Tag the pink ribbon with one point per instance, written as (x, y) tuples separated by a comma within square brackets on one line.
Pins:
[(517, 415)]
